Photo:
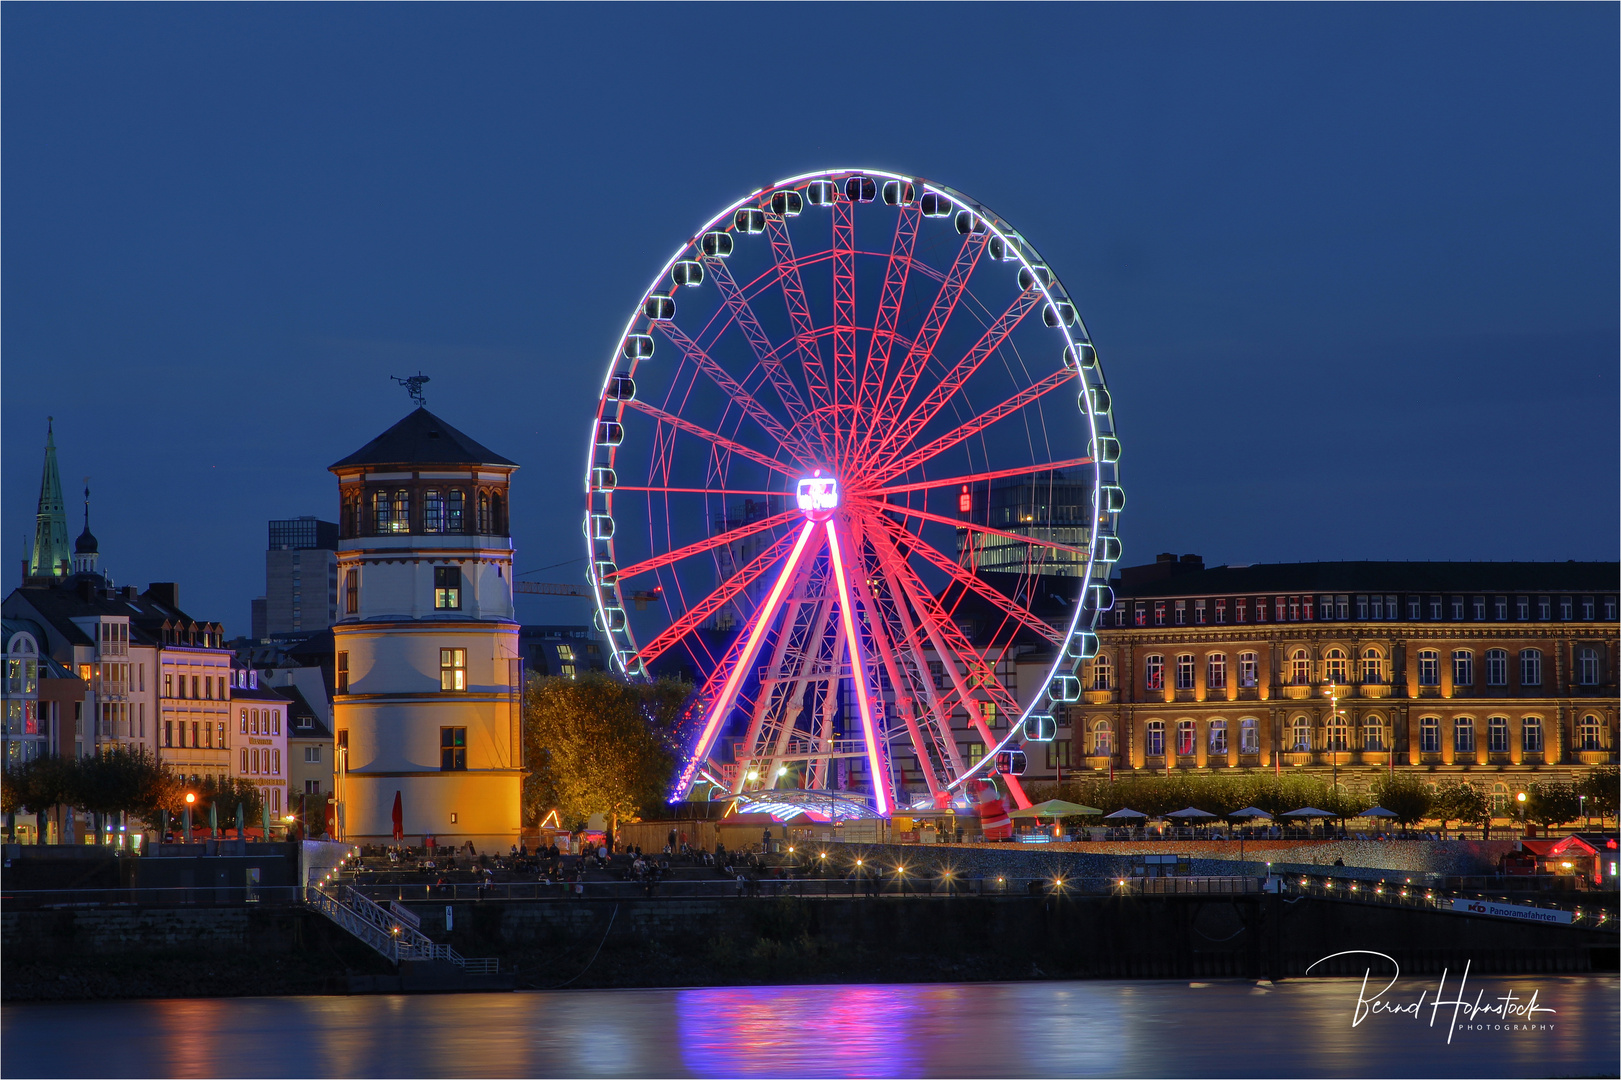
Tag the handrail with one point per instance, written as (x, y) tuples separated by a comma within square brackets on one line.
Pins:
[(395, 936)]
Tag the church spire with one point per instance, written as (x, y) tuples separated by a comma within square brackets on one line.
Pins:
[(51, 557)]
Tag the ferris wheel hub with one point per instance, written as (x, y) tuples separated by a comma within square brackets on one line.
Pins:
[(818, 496)]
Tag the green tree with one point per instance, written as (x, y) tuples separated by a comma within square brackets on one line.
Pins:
[(1552, 804), (1600, 788), (1461, 801), (1408, 797), (598, 745)]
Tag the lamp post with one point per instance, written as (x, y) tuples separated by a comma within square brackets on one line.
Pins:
[(1520, 798)]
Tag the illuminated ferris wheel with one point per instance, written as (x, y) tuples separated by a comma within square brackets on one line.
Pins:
[(855, 444)]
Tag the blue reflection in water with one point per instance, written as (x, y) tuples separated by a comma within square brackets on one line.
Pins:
[(800, 1030)]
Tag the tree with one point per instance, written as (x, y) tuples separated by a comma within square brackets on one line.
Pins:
[(1552, 804), (1461, 801), (1600, 787), (598, 745), (1408, 797)]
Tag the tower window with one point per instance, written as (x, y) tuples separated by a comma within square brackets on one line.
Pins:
[(351, 591), (447, 588), (433, 511), (452, 748), (455, 510), (341, 680), (453, 669)]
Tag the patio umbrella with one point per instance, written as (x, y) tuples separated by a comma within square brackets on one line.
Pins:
[(1054, 808), (241, 821), (213, 822), (1309, 812), (1251, 812), (264, 812), (399, 818), (1377, 811), (1190, 813), (1122, 814)]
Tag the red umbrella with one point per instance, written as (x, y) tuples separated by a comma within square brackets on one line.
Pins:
[(399, 818)]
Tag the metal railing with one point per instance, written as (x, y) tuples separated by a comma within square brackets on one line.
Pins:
[(269, 896), (1401, 894), (391, 931)]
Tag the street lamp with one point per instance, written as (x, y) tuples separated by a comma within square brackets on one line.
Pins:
[(1520, 798)]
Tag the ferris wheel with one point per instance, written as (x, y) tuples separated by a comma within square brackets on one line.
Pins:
[(855, 443)]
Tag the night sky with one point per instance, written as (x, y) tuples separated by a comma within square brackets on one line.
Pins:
[(1352, 270)]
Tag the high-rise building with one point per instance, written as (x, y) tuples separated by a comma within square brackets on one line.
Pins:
[(427, 697), (301, 580)]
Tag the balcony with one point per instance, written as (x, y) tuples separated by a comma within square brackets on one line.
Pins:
[(1098, 697), (1097, 761), (1299, 757), (1596, 757), (1249, 693), (1249, 760), (1374, 757), (1296, 693), (1373, 690)]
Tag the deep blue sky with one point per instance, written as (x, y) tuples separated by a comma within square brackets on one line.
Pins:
[(1352, 269)]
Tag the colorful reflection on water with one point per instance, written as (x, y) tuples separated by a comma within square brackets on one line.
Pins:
[(1046, 1029)]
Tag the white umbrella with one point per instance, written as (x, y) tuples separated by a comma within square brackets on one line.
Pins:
[(1125, 812), (1251, 812), (1309, 812), (1191, 812), (1377, 811)]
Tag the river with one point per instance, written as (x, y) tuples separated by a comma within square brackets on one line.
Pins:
[(1045, 1029)]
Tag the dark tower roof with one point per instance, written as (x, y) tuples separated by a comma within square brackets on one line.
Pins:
[(86, 543), (423, 439)]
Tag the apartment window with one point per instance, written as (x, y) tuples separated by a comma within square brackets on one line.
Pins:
[(1120, 614), (1184, 671), (1463, 735), (1379, 608), (1154, 672), (1216, 671), (1325, 607), (987, 712), (1373, 733), (1587, 667), (1457, 609), (1239, 607), (194, 734), (1564, 608), (1142, 615), (244, 770), (312, 788), (1102, 739), (1294, 608), (1184, 737), (1531, 734), (1480, 607), (1429, 735), (351, 591), (1260, 609), (1587, 609), (447, 588), (168, 684), (1373, 667), (453, 669), (1249, 736), (1159, 613), (1218, 736), (975, 752), (1199, 612), (312, 753), (253, 722), (1154, 738), (1248, 670), (1058, 754), (1500, 608), (1102, 673), (341, 680), (1497, 734), (1361, 607), (1413, 604), (1588, 736), (1463, 667), (1300, 735), (1544, 608), (1221, 612), (1342, 608), (1181, 613), (1335, 664), (1496, 667), (452, 749), (275, 763), (1609, 607), (1300, 668), (1522, 607), (168, 733), (1337, 737), (1429, 667), (1531, 667)]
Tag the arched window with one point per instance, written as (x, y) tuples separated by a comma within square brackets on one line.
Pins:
[(1154, 738), (1429, 735), (1102, 673), (1334, 666), (455, 510), (382, 512), (1499, 800), (433, 511), (1337, 738), (1530, 667), (1496, 667), (1154, 672), (1429, 667), (1249, 669), (1300, 668), (1588, 735), (1373, 733), (1463, 735), (1102, 739), (1300, 735), (1184, 671), (1249, 736), (498, 515), (1497, 734), (1184, 736), (1463, 667), (1587, 667), (1216, 671), (1531, 734), (483, 514), (244, 722), (1218, 736)]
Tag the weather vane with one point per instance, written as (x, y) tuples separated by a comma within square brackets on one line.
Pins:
[(413, 386)]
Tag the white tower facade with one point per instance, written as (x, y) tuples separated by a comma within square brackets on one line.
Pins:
[(427, 705)]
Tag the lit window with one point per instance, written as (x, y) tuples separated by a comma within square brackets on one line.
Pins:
[(1154, 672), (1337, 738), (1184, 671), (1218, 736), (1373, 667), (1159, 613), (1588, 735), (242, 726), (1429, 667), (452, 749), (1181, 612), (433, 511), (975, 752), (1216, 671), (1335, 666), (1497, 734), (1300, 738), (1531, 734), (1300, 668), (1496, 667), (447, 588), (455, 506), (1463, 735), (1199, 612), (1184, 736), (1248, 670), (1429, 735), (1463, 667), (1249, 736), (1154, 738), (1373, 733), (1102, 673), (453, 669), (1102, 739), (1531, 667), (1221, 612)]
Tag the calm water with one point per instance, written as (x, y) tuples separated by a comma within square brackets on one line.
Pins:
[(996, 1029)]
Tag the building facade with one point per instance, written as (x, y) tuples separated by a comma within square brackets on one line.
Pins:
[(261, 756), (301, 580), (427, 699)]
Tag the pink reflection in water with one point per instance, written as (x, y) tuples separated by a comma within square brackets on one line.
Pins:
[(799, 1030)]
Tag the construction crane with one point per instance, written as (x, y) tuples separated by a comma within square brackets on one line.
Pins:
[(552, 588)]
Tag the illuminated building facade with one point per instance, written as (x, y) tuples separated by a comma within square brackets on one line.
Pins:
[(427, 691)]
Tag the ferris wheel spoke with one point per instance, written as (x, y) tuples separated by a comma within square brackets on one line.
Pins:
[(896, 273), (766, 353), (804, 327), (844, 320), (957, 523), (733, 389), (728, 591), (991, 340), (693, 490), (708, 543), (934, 323), (969, 581), (718, 440), (973, 478), (906, 463)]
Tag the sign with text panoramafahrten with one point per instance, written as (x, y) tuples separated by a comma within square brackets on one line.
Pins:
[(1512, 911)]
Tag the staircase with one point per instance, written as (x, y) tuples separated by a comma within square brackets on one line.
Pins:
[(394, 931)]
